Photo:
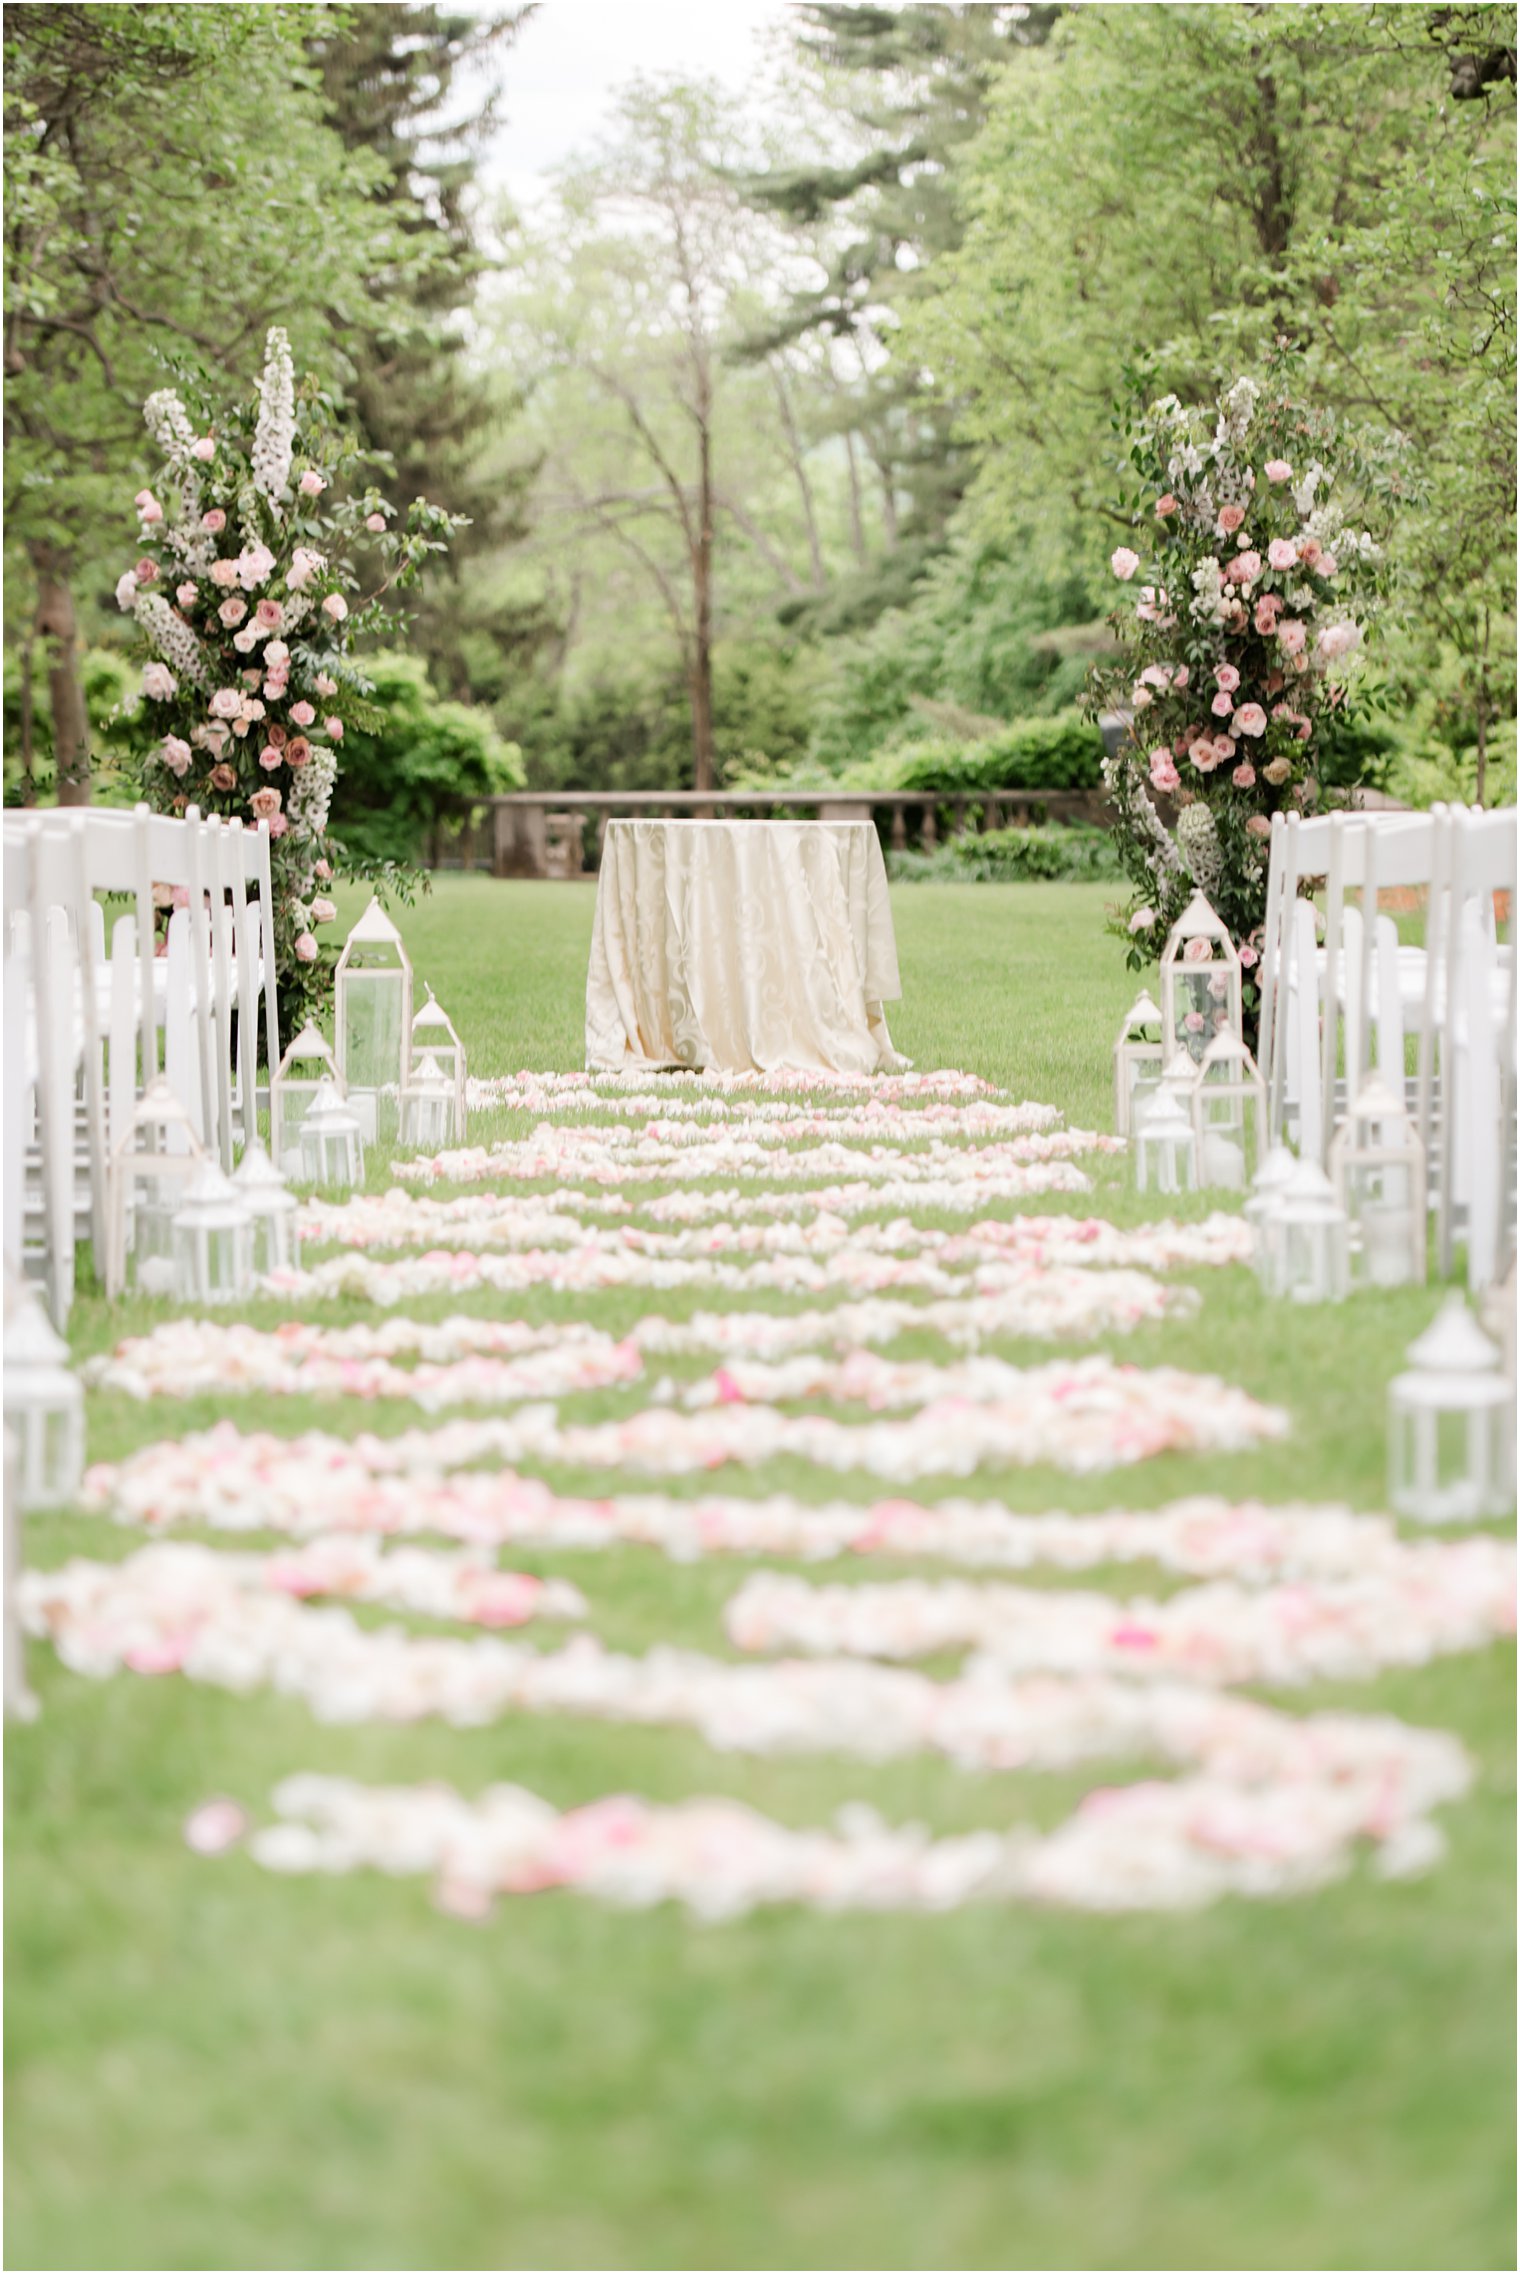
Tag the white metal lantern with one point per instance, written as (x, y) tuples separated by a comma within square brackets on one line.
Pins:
[(332, 1145), (1378, 1167), (1229, 1112), (293, 1092), (1304, 1240), (427, 1107), (152, 1167), (213, 1242), (272, 1212), (1451, 1425), (434, 1035), (1138, 1057), (44, 1405), (1200, 981), (374, 1019), (1266, 1190), (1497, 1313), (1162, 1142)]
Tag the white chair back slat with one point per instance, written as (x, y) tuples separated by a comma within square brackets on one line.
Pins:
[(122, 1037), (1390, 1008), (18, 1089), (1304, 1043), (181, 1055), (54, 980)]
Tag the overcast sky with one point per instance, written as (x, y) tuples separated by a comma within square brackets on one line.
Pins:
[(572, 56)]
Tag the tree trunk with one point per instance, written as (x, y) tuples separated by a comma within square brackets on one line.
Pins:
[(857, 530), (71, 723), (701, 580), (1481, 780), (28, 720), (799, 470)]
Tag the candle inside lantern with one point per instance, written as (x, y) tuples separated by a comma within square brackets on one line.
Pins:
[(1224, 1160), (1386, 1235)]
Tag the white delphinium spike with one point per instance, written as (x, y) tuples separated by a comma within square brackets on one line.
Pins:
[(275, 434), (172, 637)]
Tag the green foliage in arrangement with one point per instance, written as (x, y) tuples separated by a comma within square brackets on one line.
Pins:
[(418, 753)]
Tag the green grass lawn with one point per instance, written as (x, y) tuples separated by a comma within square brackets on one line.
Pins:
[(210, 2066)]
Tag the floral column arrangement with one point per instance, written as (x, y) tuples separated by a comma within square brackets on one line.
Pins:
[(1253, 582), (248, 593)]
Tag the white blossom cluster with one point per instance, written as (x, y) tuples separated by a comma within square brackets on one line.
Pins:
[(172, 637), (1209, 596), (274, 437), (311, 791)]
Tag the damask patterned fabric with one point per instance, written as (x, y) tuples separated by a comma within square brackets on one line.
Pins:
[(742, 945)]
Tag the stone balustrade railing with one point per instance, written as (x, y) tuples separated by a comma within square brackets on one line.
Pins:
[(542, 833)]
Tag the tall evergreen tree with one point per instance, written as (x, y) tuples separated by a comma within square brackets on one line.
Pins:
[(418, 87), (911, 86)]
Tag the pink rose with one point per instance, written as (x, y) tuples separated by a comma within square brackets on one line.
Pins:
[(1140, 697), (323, 870), (1227, 677), (1338, 639), (335, 606), (1156, 675), (146, 571), (223, 778), (277, 737), (297, 751), (1250, 719), (1223, 704), (302, 713), (214, 521), (254, 563), (186, 595), (1197, 951), (148, 507), (159, 682), (1279, 770), (1282, 553), (232, 612), (265, 803), (277, 825), (1248, 956), (205, 450), (334, 729), (1259, 826), (1165, 505), (306, 947), (326, 686), (1268, 608), (246, 641), (304, 565), (322, 911), (176, 754), (224, 573), (226, 703), (375, 524), (1230, 518), (1245, 568), (1164, 775), (1194, 1022), (1309, 551), (274, 690), (1124, 563), (269, 758), (1244, 776), (1278, 470), (1328, 564), (1224, 749), (126, 590), (1180, 676), (276, 652), (271, 615), (311, 484), (1203, 755), (1290, 636)]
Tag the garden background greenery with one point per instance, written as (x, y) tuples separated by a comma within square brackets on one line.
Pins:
[(786, 431)]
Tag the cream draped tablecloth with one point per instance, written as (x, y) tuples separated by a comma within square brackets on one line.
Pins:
[(742, 945)]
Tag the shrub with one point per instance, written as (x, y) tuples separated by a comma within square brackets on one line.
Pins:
[(396, 777), (1060, 753), (1057, 854)]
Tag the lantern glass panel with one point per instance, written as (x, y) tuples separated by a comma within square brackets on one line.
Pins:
[(1447, 1467), (427, 1107), (1165, 1153), (293, 1095), (1138, 1058), (213, 1243), (1228, 1111), (1200, 981), (332, 1147), (1379, 1167), (272, 1213)]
